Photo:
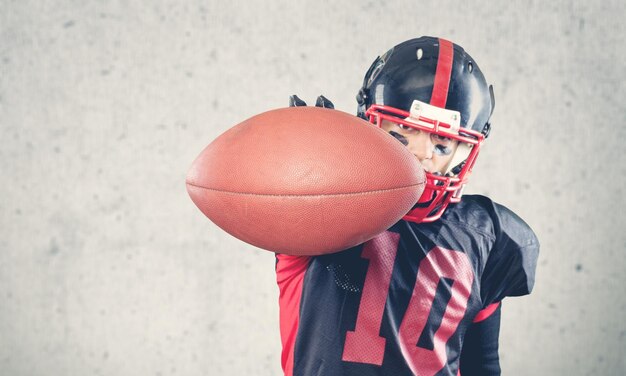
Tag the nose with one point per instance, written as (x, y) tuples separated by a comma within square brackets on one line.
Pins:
[(422, 147)]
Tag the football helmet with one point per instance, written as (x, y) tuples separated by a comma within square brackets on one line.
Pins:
[(433, 85)]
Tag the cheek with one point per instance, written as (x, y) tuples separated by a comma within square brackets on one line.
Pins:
[(442, 158)]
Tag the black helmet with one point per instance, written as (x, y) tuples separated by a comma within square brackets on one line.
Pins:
[(411, 84)]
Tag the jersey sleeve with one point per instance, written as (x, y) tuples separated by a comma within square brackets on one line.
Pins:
[(511, 264), (290, 272), (479, 355)]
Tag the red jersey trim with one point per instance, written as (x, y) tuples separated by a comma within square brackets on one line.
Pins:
[(486, 312), (289, 277)]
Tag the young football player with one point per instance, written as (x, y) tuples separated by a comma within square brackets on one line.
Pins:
[(422, 298)]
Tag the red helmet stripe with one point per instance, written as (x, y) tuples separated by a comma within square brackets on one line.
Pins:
[(443, 73)]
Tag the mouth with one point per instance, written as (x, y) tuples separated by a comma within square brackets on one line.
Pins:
[(426, 165)]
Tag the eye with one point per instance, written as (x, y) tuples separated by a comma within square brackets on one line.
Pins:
[(404, 127), (441, 139)]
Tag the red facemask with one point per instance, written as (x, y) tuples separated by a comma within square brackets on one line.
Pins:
[(440, 190)]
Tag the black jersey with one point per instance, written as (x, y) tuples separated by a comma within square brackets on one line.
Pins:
[(401, 303)]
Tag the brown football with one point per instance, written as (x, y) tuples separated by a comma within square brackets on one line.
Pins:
[(305, 181)]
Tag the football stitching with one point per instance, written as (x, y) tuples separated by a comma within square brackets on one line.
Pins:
[(307, 194)]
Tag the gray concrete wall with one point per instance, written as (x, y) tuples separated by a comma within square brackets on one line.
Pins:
[(107, 267)]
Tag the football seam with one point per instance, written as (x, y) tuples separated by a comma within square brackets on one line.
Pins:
[(307, 194)]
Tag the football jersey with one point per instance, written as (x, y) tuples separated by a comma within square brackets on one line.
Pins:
[(401, 303)]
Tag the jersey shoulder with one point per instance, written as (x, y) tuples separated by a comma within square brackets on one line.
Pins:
[(512, 259), (484, 215)]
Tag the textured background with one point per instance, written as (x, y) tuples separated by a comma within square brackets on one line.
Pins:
[(107, 267)]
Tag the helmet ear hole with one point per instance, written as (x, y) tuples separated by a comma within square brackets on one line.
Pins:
[(470, 67)]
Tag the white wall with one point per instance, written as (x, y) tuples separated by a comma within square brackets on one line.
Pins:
[(107, 267)]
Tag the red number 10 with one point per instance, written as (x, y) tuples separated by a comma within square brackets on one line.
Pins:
[(364, 345)]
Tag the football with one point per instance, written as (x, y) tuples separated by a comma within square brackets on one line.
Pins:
[(305, 181)]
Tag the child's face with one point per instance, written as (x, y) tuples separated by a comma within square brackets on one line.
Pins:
[(433, 151)]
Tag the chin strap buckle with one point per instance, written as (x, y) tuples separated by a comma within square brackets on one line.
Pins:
[(486, 130)]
